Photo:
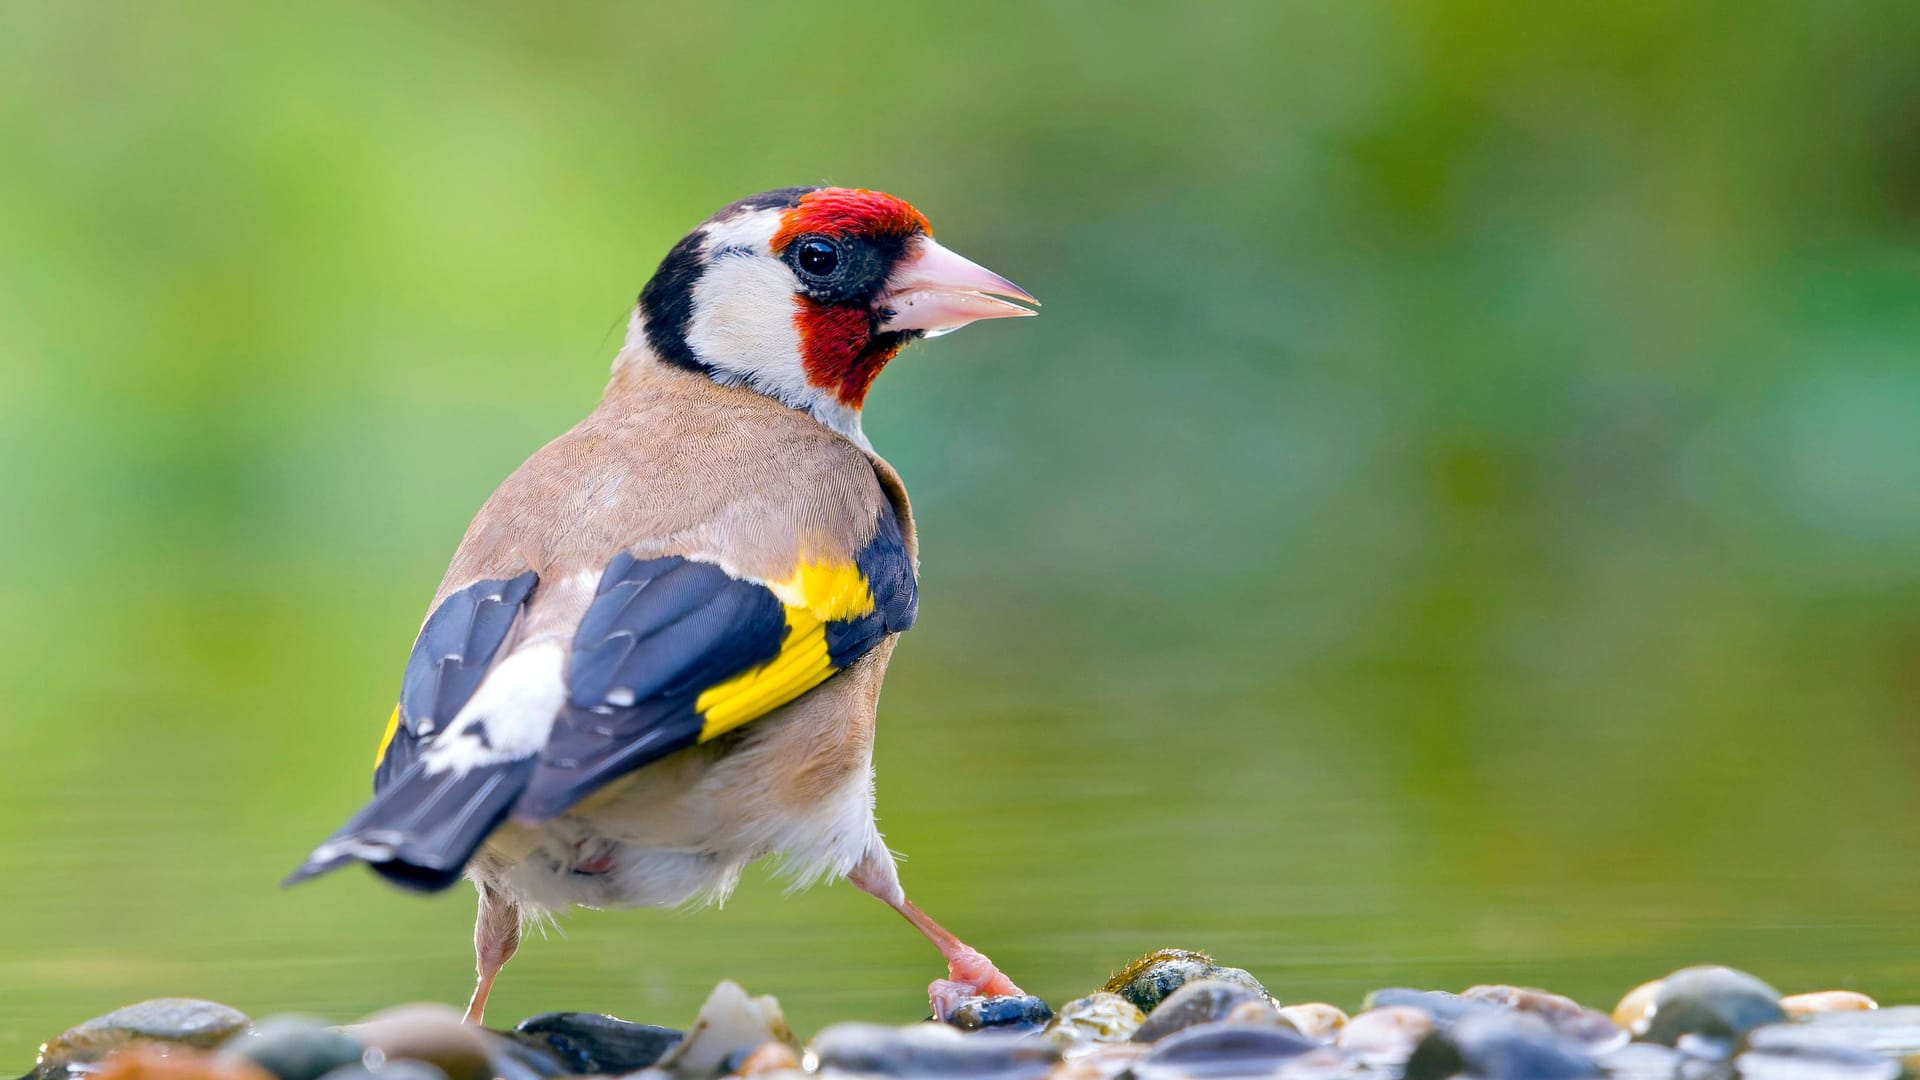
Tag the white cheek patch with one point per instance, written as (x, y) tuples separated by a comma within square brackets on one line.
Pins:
[(743, 326)]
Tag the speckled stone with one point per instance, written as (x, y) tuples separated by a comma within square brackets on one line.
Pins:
[(1100, 1017), (180, 1021), (1147, 981), (1013, 1012), (1714, 1002), (1200, 1001)]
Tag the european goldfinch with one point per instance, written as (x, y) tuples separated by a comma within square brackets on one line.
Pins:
[(657, 653)]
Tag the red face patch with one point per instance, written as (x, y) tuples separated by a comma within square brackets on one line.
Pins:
[(849, 212), (839, 352)]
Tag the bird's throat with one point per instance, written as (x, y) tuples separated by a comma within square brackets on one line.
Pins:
[(840, 350)]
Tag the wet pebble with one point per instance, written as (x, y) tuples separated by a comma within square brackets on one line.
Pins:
[(1640, 1061), (158, 1061), (294, 1048), (431, 1033), (1149, 980), (392, 1070), (1201, 1001), (1386, 1035), (1100, 1017), (1315, 1019), (1591, 1028), (1815, 1063), (1445, 1009), (1894, 1032), (767, 1059), (593, 1043), (1799, 1005), (1013, 1012), (1222, 1048), (1501, 1046), (730, 1025), (1715, 1002), (1636, 1006), (182, 1021), (931, 1049)]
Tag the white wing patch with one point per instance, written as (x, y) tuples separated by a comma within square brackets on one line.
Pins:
[(509, 716)]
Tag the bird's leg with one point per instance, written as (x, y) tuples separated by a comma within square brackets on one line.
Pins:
[(496, 934), (969, 972)]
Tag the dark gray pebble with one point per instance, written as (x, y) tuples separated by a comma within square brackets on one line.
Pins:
[(592, 1043), (1716, 1002), (1200, 1001), (1012, 1012), (1503, 1046), (294, 1048), (1149, 980), (1223, 1048), (932, 1050)]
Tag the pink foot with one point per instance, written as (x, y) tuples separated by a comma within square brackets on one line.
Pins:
[(969, 974)]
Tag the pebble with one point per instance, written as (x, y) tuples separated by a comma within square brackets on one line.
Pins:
[(1593, 1029), (1636, 1005), (1315, 1019), (1501, 1046), (1201, 1001), (154, 1061), (1716, 1002), (1816, 1063), (294, 1048), (1640, 1061), (431, 1033), (729, 1024), (1894, 1032), (1147, 981), (1221, 1048), (1385, 1035), (1823, 1001), (392, 1070), (182, 1021), (593, 1043), (1012, 1012), (1100, 1017), (931, 1049), (767, 1059)]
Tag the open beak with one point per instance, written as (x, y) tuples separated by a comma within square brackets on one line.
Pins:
[(935, 291)]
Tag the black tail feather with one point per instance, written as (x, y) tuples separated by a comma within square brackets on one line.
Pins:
[(421, 829)]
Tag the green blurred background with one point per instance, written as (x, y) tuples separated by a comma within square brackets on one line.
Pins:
[(1457, 518)]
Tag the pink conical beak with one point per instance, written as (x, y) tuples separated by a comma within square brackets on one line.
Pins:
[(936, 291)]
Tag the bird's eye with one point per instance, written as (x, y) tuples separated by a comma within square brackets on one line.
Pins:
[(817, 257)]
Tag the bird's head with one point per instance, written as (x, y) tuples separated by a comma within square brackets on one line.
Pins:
[(804, 294)]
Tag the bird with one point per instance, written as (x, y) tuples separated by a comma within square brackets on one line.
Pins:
[(656, 655)]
